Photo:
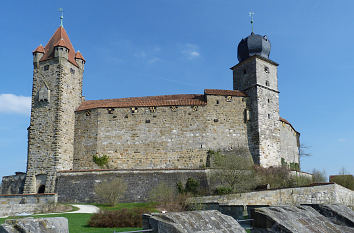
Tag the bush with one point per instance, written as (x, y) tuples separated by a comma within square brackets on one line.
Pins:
[(192, 186), (111, 191), (168, 199), (344, 180), (276, 177), (118, 218), (222, 190), (100, 160)]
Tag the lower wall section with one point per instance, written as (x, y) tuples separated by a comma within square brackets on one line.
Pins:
[(26, 203), (13, 184), (78, 187), (329, 193)]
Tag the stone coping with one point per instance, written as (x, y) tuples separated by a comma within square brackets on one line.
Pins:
[(133, 170), (26, 195)]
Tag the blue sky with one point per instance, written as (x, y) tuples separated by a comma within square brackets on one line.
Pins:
[(156, 47)]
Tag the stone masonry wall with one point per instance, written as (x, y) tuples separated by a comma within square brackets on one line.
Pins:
[(322, 194), (78, 186), (258, 78), (165, 138), (13, 184), (56, 93), (289, 144), (16, 204)]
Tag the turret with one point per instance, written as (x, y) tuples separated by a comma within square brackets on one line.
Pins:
[(80, 60), (38, 54), (61, 49)]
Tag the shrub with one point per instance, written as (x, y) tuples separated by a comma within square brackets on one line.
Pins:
[(276, 177), (100, 160), (118, 218), (222, 190), (344, 180), (167, 197), (111, 191), (192, 186)]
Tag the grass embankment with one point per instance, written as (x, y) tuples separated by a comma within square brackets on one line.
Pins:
[(78, 222)]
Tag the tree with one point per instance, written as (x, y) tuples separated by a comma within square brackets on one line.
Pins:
[(233, 171), (318, 176), (111, 191)]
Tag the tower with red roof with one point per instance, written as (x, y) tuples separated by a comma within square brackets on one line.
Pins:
[(56, 93)]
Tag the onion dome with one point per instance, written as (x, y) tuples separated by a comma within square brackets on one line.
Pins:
[(252, 45)]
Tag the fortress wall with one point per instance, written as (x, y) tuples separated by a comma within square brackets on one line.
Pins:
[(85, 143), (78, 186), (164, 138), (13, 184), (289, 144)]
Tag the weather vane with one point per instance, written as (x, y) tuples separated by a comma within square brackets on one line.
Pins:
[(61, 16), (251, 14)]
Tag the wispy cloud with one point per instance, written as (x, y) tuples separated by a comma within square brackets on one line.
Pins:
[(10, 103), (191, 51)]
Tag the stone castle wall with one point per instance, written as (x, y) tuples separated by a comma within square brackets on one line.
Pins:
[(289, 144), (78, 186), (13, 184), (165, 138)]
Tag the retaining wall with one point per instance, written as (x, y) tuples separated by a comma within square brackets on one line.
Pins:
[(26, 203)]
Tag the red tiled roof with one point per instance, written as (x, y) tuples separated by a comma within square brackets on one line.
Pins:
[(60, 34), (61, 43), (287, 122), (39, 49), (78, 55), (224, 92), (147, 101)]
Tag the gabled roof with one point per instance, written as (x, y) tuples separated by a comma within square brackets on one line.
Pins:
[(147, 101), (55, 40), (39, 49)]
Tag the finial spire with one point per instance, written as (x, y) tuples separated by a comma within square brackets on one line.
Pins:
[(251, 14), (61, 16)]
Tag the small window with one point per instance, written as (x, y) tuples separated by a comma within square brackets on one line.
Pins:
[(147, 121), (266, 69), (268, 100), (268, 116), (72, 71), (217, 102), (244, 71), (46, 67), (267, 83)]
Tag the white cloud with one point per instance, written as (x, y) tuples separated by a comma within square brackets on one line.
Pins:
[(191, 51), (10, 103)]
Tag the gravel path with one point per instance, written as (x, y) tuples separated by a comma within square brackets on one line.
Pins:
[(87, 209)]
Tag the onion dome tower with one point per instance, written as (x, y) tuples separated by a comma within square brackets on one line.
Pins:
[(256, 75)]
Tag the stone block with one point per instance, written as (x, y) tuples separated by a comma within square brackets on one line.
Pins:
[(211, 221), (35, 225)]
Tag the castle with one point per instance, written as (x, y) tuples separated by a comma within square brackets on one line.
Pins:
[(166, 133)]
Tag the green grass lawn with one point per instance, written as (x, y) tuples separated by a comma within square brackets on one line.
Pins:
[(78, 222)]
